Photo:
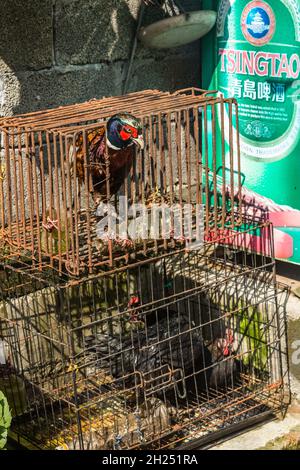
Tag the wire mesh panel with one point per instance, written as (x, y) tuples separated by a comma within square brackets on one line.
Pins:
[(159, 354), (74, 200)]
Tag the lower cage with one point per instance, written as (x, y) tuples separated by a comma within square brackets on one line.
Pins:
[(164, 362)]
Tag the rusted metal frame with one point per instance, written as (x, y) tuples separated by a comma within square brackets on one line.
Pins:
[(189, 161), (134, 187), (182, 414), (238, 401), (68, 110), (2, 196), (49, 237), (70, 229), (119, 105), (150, 155), (147, 174), (169, 375), (198, 155), (214, 167), (154, 161), (21, 192), (223, 162), (87, 188), (127, 199), (25, 119), (57, 200), (224, 360), (6, 121), (266, 324), (186, 114), (208, 425), (43, 186), (207, 418), (86, 125), (222, 240), (282, 349), (163, 176), (82, 113), (15, 188), (193, 375), (30, 190), (194, 90), (206, 153), (107, 173), (180, 296), (179, 164), (104, 112), (36, 199), (105, 395), (278, 328), (231, 155), (142, 175), (238, 156), (61, 181), (8, 184), (170, 167)]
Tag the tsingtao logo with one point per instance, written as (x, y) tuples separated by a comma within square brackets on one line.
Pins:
[(258, 23)]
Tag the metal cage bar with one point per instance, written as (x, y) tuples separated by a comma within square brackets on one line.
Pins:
[(162, 353), (49, 209)]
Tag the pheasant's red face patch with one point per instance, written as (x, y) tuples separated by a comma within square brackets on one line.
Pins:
[(128, 131)]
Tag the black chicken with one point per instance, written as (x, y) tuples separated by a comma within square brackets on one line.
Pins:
[(124, 131), (223, 366), (172, 351)]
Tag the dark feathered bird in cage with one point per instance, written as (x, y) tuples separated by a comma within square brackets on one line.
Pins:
[(117, 143), (171, 349)]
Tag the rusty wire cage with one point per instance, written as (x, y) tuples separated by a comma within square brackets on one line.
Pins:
[(173, 351), (47, 214)]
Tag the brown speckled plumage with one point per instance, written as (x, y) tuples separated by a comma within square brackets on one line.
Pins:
[(120, 162)]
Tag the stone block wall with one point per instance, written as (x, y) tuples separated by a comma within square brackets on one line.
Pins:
[(56, 52)]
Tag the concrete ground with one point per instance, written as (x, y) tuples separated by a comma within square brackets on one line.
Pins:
[(275, 434), (285, 433)]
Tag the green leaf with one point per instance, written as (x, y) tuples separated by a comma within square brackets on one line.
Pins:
[(3, 438), (5, 419), (252, 326)]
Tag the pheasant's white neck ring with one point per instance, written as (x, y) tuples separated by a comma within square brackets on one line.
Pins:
[(111, 146)]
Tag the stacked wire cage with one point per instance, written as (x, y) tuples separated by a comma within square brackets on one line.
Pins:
[(155, 342)]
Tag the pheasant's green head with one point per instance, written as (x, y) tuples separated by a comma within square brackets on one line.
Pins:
[(124, 130)]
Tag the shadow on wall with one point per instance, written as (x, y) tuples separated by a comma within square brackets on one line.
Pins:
[(58, 52)]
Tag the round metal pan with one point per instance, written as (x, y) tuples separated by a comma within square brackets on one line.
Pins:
[(178, 30)]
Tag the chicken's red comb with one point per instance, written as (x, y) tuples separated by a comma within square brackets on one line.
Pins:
[(135, 300)]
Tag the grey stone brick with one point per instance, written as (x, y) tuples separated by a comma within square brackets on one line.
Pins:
[(91, 31), (26, 34), (168, 74), (58, 86)]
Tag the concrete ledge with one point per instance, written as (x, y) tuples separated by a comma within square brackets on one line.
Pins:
[(261, 437), (279, 434)]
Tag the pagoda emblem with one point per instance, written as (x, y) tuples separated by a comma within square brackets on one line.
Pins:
[(257, 25)]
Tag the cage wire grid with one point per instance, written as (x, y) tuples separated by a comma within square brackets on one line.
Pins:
[(154, 355), (151, 345), (48, 213)]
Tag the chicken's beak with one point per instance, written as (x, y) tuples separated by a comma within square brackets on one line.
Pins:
[(139, 141)]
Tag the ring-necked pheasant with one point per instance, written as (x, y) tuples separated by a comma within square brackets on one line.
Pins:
[(124, 131)]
